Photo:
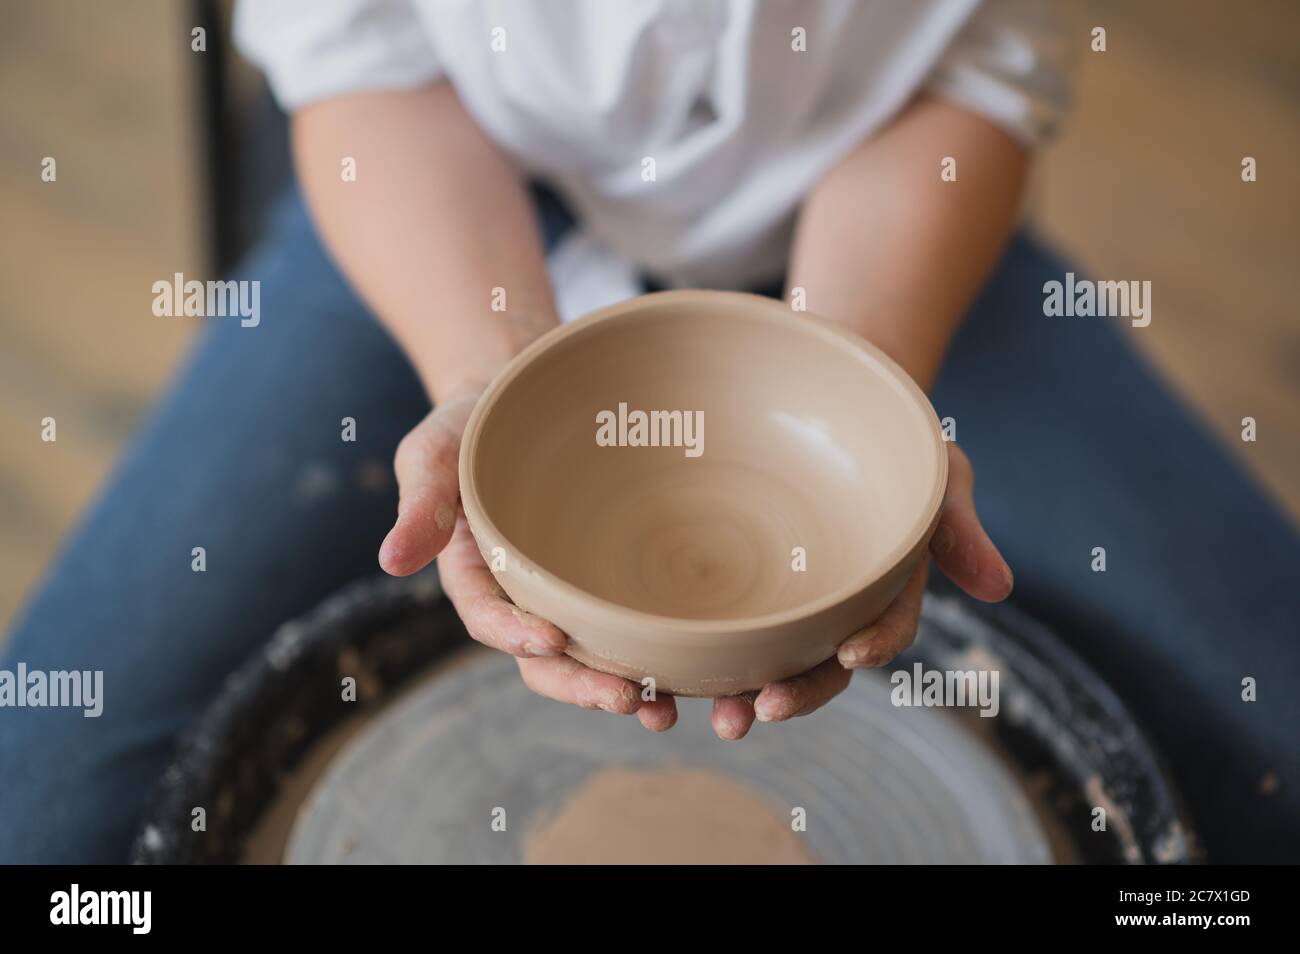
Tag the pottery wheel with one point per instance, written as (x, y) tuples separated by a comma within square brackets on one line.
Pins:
[(472, 767)]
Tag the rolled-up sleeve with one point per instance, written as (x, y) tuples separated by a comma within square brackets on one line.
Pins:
[(1011, 63), (315, 49)]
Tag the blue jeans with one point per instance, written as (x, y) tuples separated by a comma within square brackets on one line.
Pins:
[(1075, 443)]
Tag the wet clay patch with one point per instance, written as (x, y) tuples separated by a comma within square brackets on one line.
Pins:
[(664, 816)]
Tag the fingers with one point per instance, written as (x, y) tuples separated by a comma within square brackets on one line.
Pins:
[(733, 716), (960, 546), (483, 606), (803, 694), (493, 620), (874, 646), (564, 679), (879, 643), (428, 484), (658, 715), (567, 680)]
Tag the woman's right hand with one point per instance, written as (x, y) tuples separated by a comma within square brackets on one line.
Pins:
[(430, 524)]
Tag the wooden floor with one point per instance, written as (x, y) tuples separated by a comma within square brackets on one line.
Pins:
[(105, 89), (1144, 184)]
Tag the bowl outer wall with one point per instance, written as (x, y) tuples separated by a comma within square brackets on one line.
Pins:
[(687, 657), (742, 660)]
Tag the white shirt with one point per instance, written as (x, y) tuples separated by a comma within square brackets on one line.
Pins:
[(683, 133)]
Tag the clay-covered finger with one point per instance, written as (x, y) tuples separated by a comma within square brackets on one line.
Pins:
[(960, 544), (564, 679), (428, 483), (879, 643), (659, 714), (733, 716), (801, 695), (485, 609)]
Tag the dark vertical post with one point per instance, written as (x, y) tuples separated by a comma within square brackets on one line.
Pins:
[(218, 137)]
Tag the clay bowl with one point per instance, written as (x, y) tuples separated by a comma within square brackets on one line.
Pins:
[(732, 554)]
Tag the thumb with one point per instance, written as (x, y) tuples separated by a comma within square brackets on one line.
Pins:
[(960, 545), (428, 486)]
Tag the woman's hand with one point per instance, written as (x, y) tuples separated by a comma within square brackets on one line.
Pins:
[(890, 249), (431, 524), (963, 551)]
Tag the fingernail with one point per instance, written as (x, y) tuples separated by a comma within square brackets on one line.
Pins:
[(1009, 577), (618, 700), (444, 517), (542, 646), (766, 710), (851, 656), (943, 540), (854, 655), (542, 649), (528, 619), (389, 555)]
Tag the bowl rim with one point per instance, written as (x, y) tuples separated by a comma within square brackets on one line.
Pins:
[(773, 310)]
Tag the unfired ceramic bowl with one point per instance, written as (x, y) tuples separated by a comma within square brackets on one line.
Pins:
[(718, 567)]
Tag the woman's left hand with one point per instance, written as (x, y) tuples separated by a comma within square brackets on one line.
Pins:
[(963, 551)]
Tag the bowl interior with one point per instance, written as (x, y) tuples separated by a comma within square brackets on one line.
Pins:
[(798, 464)]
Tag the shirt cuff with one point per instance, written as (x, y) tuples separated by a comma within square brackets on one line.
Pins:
[(1011, 64)]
